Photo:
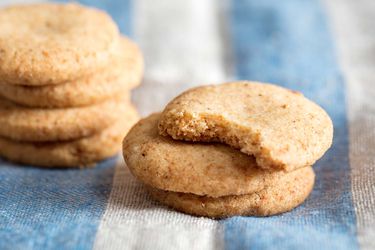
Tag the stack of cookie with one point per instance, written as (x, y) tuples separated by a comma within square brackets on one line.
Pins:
[(239, 148), (65, 80)]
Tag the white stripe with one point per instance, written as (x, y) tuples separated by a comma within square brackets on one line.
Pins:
[(183, 47), (354, 27), (10, 2), (133, 221)]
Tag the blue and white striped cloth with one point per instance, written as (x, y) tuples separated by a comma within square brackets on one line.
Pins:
[(324, 49)]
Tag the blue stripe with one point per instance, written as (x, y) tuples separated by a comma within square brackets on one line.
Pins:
[(52, 209), (288, 43), (120, 11), (57, 209)]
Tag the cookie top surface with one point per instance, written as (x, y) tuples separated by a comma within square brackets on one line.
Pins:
[(280, 127), (124, 73), (83, 152), (204, 169), (35, 124), (52, 43), (287, 192)]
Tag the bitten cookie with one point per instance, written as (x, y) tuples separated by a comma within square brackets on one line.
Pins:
[(281, 128), (28, 124), (125, 72), (210, 180), (53, 43), (202, 169), (83, 152), (289, 191)]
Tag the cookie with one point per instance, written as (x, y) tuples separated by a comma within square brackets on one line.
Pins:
[(122, 74), (84, 152), (29, 124), (202, 169), (281, 128), (286, 193), (53, 43)]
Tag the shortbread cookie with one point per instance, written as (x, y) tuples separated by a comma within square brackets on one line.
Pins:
[(53, 43), (280, 127), (76, 153), (122, 74), (286, 193), (203, 169), (28, 124)]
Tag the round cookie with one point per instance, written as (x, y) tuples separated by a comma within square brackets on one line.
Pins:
[(280, 127), (285, 194), (53, 43), (203, 169), (124, 73), (83, 152), (28, 124)]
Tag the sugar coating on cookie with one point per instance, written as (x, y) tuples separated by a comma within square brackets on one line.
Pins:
[(202, 169), (123, 73), (285, 194), (53, 43), (281, 128), (35, 124), (83, 152)]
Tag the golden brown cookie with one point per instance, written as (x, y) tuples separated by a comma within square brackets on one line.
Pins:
[(52, 43), (202, 169), (83, 152), (280, 127), (286, 193), (29, 124), (124, 73)]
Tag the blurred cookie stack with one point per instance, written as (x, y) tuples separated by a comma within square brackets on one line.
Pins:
[(65, 80)]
